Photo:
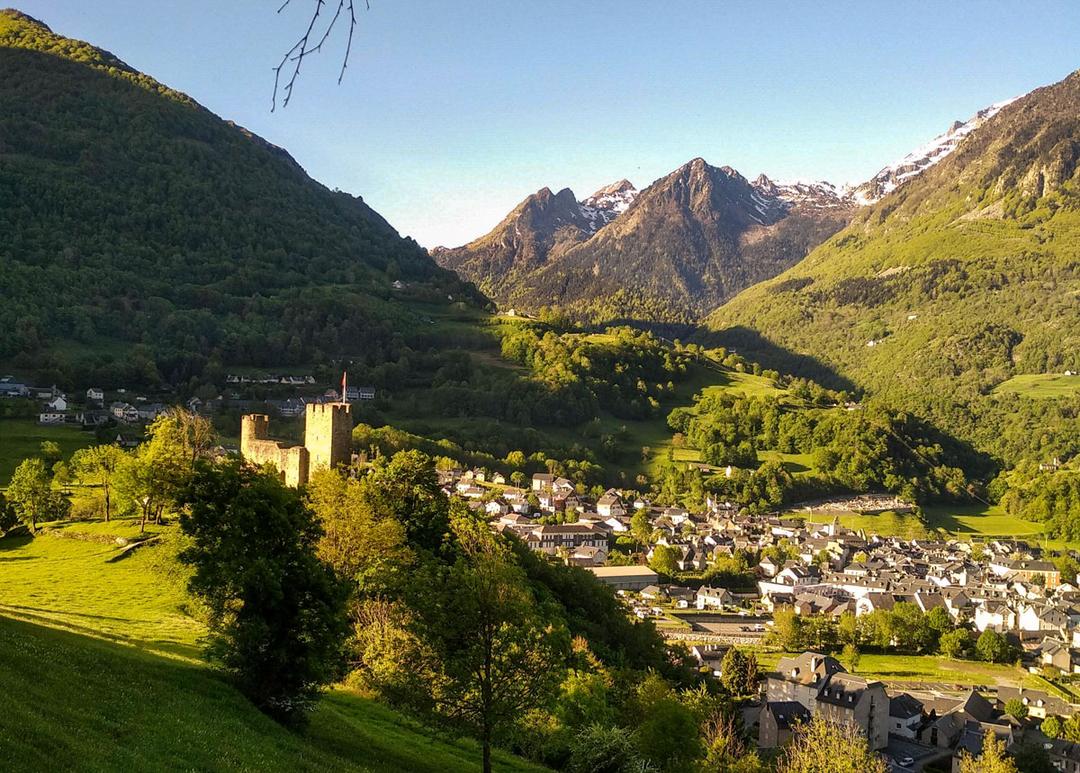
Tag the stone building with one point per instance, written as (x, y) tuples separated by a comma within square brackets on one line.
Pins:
[(852, 700), (327, 442)]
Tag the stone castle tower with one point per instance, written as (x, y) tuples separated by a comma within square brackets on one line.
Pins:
[(328, 434), (327, 442)]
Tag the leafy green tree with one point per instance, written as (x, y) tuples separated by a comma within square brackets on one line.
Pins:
[(992, 647), (1016, 708), (824, 746), (739, 672), (362, 536), (640, 528), (956, 643), (663, 561), (786, 631), (31, 495), (1051, 727), (277, 613), (494, 652), (847, 629), (992, 759), (406, 487), (940, 621), (850, 657), (152, 477), (583, 700), (667, 733), (910, 628), (50, 452), (1070, 728), (98, 466)]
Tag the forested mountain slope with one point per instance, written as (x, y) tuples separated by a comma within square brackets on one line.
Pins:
[(957, 281), (131, 215)]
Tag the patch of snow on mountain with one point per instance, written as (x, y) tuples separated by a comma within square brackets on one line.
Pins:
[(615, 198), (922, 158), (817, 193)]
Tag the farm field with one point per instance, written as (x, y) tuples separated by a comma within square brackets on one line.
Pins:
[(927, 668), (960, 521), (1041, 386), (20, 438), (121, 632)]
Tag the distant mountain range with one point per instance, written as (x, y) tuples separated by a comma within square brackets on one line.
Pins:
[(704, 234), (670, 252)]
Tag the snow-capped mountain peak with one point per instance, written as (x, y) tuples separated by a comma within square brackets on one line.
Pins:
[(924, 157), (814, 193), (608, 203)]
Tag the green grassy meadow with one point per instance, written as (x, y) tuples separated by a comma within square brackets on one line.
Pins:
[(1041, 386), (960, 521), (928, 668), (102, 670), (20, 438)]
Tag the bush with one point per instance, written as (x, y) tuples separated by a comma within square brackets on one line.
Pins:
[(600, 749)]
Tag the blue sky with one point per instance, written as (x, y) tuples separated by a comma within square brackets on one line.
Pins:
[(452, 111)]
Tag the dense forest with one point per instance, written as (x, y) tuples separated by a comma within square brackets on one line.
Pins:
[(849, 447), (146, 239)]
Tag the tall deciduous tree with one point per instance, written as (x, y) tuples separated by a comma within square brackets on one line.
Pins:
[(739, 672), (98, 466), (277, 613), (494, 651), (992, 647), (151, 478), (31, 494)]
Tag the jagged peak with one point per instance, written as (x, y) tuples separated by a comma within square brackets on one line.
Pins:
[(616, 187)]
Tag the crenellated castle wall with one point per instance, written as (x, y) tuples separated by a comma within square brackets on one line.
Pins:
[(327, 443)]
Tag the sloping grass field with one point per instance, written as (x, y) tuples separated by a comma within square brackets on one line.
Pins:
[(101, 670), (20, 438), (977, 521), (1041, 386)]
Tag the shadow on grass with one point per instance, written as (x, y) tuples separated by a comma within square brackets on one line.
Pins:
[(15, 541), (57, 618), (756, 348), (112, 707)]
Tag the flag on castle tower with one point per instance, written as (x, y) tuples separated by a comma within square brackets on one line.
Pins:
[(344, 386)]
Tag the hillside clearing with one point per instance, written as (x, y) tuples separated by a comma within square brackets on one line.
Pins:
[(20, 438), (1041, 386)]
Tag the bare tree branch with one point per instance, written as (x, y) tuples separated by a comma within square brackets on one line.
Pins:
[(293, 59)]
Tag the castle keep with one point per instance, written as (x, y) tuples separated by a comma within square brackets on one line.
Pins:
[(327, 442)]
